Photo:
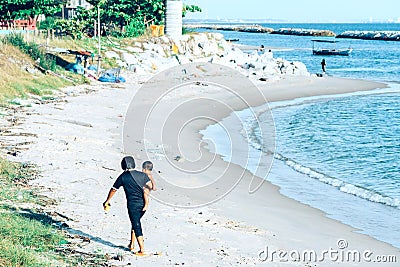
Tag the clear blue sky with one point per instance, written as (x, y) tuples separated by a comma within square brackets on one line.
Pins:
[(299, 10)]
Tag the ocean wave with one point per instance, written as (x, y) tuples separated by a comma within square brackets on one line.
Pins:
[(252, 133), (339, 184)]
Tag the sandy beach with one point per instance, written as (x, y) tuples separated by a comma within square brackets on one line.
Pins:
[(194, 218)]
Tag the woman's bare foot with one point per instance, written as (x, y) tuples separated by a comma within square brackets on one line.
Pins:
[(131, 247), (140, 253)]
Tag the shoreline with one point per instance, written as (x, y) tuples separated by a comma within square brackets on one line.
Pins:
[(231, 200), (207, 235), (290, 191), (303, 100), (257, 220)]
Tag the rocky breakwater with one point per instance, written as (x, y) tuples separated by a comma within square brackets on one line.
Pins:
[(371, 35), (155, 54), (237, 28), (303, 32)]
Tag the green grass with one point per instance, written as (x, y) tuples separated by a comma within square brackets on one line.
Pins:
[(27, 242), (16, 82), (27, 237), (11, 171), (30, 48)]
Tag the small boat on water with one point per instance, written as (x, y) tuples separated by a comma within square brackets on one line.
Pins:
[(330, 51)]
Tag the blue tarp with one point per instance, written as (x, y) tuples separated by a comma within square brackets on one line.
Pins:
[(110, 78), (92, 67), (75, 68)]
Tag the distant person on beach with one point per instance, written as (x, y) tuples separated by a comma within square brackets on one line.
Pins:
[(323, 65), (261, 50), (134, 183), (147, 167)]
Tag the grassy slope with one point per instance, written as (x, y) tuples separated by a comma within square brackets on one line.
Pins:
[(15, 81), (24, 239)]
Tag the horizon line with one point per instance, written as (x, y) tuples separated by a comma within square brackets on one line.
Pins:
[(287, 21)]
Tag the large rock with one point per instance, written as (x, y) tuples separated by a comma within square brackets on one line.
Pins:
[(157, 54), (159, 49), (122, 64), (148, 46), (130, 59), (236, 56), (185, 38), (134, 49), (165, 40), (111, 54), (300, 69), (217, 36)]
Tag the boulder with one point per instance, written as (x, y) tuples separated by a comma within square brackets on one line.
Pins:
[(159, 49), (217, 36), (121, 63), (211, 48), (165, 40), (300, 69), (129, 59), (148, 46), (111, 54), (134, 49), (138, 44), (185, 38)]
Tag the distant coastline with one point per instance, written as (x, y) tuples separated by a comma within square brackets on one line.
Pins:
[(277, 21), (255, 28), (382, 35)]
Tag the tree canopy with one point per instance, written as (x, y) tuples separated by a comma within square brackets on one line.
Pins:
[(118, 17), (22, 9)]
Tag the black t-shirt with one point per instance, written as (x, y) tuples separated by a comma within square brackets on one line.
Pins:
[(133, 183)]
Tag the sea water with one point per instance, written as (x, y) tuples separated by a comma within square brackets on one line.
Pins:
[(346, 155), (340, 154), (370, 59)]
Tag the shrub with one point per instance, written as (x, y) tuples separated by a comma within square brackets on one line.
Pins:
[(33, 50), (73, 28), (135, 28), (47, 24)]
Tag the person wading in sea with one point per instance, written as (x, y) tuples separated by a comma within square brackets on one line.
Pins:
[(323, 65)]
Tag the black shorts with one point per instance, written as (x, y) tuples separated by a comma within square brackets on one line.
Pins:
[(135, 214)]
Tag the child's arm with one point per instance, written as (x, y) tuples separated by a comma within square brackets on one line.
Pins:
[(146, 193), (153, 182)]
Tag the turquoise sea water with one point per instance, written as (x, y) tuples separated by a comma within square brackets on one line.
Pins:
[(351, 143), (344, 158), (340, 154), (374, 60)]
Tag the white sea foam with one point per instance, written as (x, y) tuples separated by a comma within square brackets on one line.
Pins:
[(394, 88), (341, 185), (255, 139)]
